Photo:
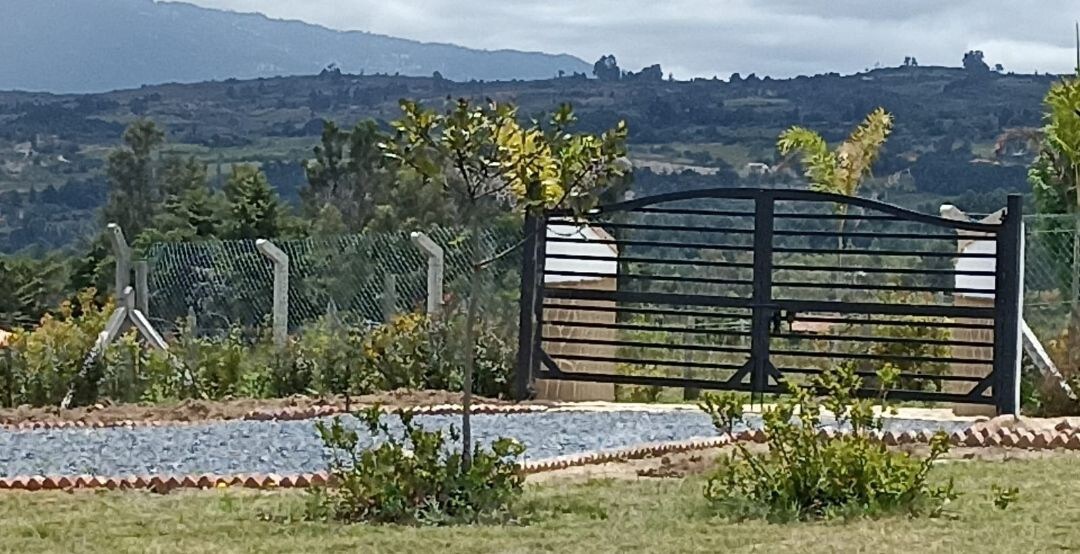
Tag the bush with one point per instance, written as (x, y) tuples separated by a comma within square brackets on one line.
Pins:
[(413, 477), (806, 475), (43, 364), (326, 357)]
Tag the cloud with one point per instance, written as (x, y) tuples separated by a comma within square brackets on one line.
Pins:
[(717, 37)]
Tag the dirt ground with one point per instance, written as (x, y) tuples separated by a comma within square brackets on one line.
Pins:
[(201, 410)]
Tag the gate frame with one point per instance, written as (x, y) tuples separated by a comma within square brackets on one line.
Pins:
[(1008, 296)]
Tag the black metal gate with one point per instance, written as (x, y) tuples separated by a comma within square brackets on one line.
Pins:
[(745, 289)]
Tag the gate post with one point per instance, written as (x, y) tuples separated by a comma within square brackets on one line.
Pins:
[(527, 318), (1008, 307), (764, 205)]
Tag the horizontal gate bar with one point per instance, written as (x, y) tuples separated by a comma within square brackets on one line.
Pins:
[(659, 261), (647, 297), (856, 356), (645, 361), (897, 323), (875, 308), (661, 227), (655, 244), (901, 395), (654, 311), (896, 288), (879, 269), (869, 235), (651, 328), (860, 373), (637, 344), (643, 277), (688, 211), (645, 380), (838, 217), (882, 340), (890, 253)]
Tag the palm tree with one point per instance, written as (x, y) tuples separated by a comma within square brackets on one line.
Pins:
[(839, 171)]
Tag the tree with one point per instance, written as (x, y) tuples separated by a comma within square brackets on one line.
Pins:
[(347, 168), (910, 61), (489, 165), (253, 206), (132, 188), (1055, 181), (841, 171), (607, 69), (973, 62), (189, 208)]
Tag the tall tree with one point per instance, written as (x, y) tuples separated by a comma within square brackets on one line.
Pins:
[(607, 69), (347, 170), (489, 164), (189, 208), (132, 190), (253, 206)]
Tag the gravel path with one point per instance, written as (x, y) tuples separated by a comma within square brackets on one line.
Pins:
[(294, 447)]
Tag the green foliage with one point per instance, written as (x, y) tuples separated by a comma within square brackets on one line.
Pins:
[(413, 477), (44, 363), (326, 357), (253, 206), (132, 190), (807, 475), (1003, 496), (843, 170)]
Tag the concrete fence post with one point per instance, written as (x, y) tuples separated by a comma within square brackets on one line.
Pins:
[(281, 289), (436, 267), (142, 286), (122, 253)]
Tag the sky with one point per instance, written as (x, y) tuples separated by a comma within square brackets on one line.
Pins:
[(703, 38)]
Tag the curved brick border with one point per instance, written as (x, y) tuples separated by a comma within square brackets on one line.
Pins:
[(1065, 437), (283, 414)]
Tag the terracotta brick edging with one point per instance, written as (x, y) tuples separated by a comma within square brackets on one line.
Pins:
[(283, 414), (1065, 437)]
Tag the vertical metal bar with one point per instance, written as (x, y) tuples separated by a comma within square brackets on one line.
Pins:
[(527, 317), (764, 209), (1008, 303), (538, 293)]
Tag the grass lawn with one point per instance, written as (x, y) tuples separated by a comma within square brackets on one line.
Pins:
[(594, 517)]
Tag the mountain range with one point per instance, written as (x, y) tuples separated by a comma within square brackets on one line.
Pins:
[(78, 46)]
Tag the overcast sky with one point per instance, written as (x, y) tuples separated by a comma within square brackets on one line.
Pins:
[(717, 37)]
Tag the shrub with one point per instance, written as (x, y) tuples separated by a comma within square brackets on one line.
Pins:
[(43, 364), (805, 475), (413, 477), (415, 352)]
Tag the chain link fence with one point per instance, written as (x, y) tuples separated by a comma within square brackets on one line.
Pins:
[(227, 285), (1051, 274)]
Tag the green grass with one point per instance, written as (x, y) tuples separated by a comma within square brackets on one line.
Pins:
[(596, 517)]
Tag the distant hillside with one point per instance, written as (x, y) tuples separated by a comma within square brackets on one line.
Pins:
[(948, 143), (100, 45)]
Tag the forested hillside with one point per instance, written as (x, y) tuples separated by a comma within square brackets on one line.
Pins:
[(960, 134)]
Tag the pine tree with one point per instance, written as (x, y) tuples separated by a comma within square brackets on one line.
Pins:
[(190, 209), (132, 187), (253, 206)]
